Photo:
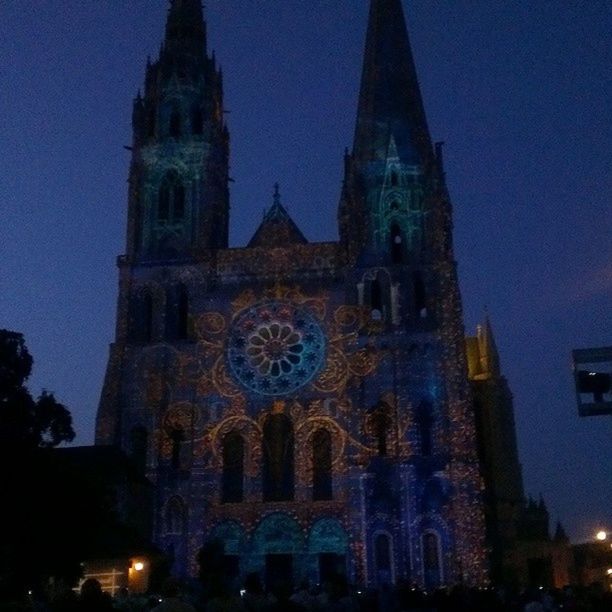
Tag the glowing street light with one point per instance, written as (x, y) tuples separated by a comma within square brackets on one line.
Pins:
[(602, 536), (139, 566)]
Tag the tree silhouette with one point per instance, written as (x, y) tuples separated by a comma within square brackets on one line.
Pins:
[(26, 423), (42, 502)]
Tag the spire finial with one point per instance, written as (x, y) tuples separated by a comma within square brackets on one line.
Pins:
[(277, 197), (185, 25)]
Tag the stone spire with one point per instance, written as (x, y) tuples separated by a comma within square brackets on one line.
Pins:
[(390, 103), (185, 27), (489, 352), (179, 193)]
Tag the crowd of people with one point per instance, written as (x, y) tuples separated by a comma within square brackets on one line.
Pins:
[(334, 596)]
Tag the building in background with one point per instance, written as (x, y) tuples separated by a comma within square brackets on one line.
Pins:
[(504, 495), (522, 551), (307, 404)]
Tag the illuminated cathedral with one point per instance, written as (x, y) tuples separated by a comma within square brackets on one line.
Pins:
[(307, 404)]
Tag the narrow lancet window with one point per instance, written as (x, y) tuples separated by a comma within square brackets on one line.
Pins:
[(175, 124), (424, 425), (172, 202), (381, 424), (175, 516), (397, 245), (163, 210), (278, 453), (321, 465), (431, 559), (382, 552), (197, 121), (376, 301), (232, 485), (177, 436), (179, 201), (420, 296), (138, 448), (182, 317)]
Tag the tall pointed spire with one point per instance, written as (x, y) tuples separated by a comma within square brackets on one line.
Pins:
[(185, 26), (489, 351), (390, 101), (180, 117)]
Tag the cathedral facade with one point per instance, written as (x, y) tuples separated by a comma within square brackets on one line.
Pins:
[(307, 404)]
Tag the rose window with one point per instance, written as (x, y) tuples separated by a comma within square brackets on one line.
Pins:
[(275, 348)]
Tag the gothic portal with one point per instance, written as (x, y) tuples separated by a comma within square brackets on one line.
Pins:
[(305, 403)]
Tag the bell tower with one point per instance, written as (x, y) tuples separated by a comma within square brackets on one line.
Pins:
[(178, 186), (393, 170)]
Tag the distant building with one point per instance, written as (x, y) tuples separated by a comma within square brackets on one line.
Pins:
[(593, 563), (522, 551), (504, 496)]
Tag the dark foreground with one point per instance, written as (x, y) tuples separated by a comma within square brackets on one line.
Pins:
[(334, 597)]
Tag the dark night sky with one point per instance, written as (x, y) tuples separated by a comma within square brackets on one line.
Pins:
[(520, 91)]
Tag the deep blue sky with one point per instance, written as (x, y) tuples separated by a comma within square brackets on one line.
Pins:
[(520, 91)]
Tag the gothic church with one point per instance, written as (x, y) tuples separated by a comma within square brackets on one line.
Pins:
[(305, 403)]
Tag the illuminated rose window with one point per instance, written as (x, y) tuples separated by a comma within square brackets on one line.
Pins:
[(275, 348)]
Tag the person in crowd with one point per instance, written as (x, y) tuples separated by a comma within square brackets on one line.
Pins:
[(222, 598), (172, 600), (93, 598), (254, 598)]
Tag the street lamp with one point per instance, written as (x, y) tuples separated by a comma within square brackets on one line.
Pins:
[(602, 536)]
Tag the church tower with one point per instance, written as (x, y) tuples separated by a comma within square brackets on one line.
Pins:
[(306, 404), (179, 201)]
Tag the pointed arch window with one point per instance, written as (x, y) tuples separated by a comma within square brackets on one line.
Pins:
[(424, 424), (376, 300), (197, 121), (394, 179), (382, 552), (177, 313), (165, 194), (141, 317), (381, 424), (321, 465), (177, 437), (232, 485), (397, 244), (420, 295), (278, 459), (138, 448), (176, 516), (174, 128), (431, 559), (171, 204)]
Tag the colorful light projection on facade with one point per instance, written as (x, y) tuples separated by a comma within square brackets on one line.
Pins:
[(275, 348)]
